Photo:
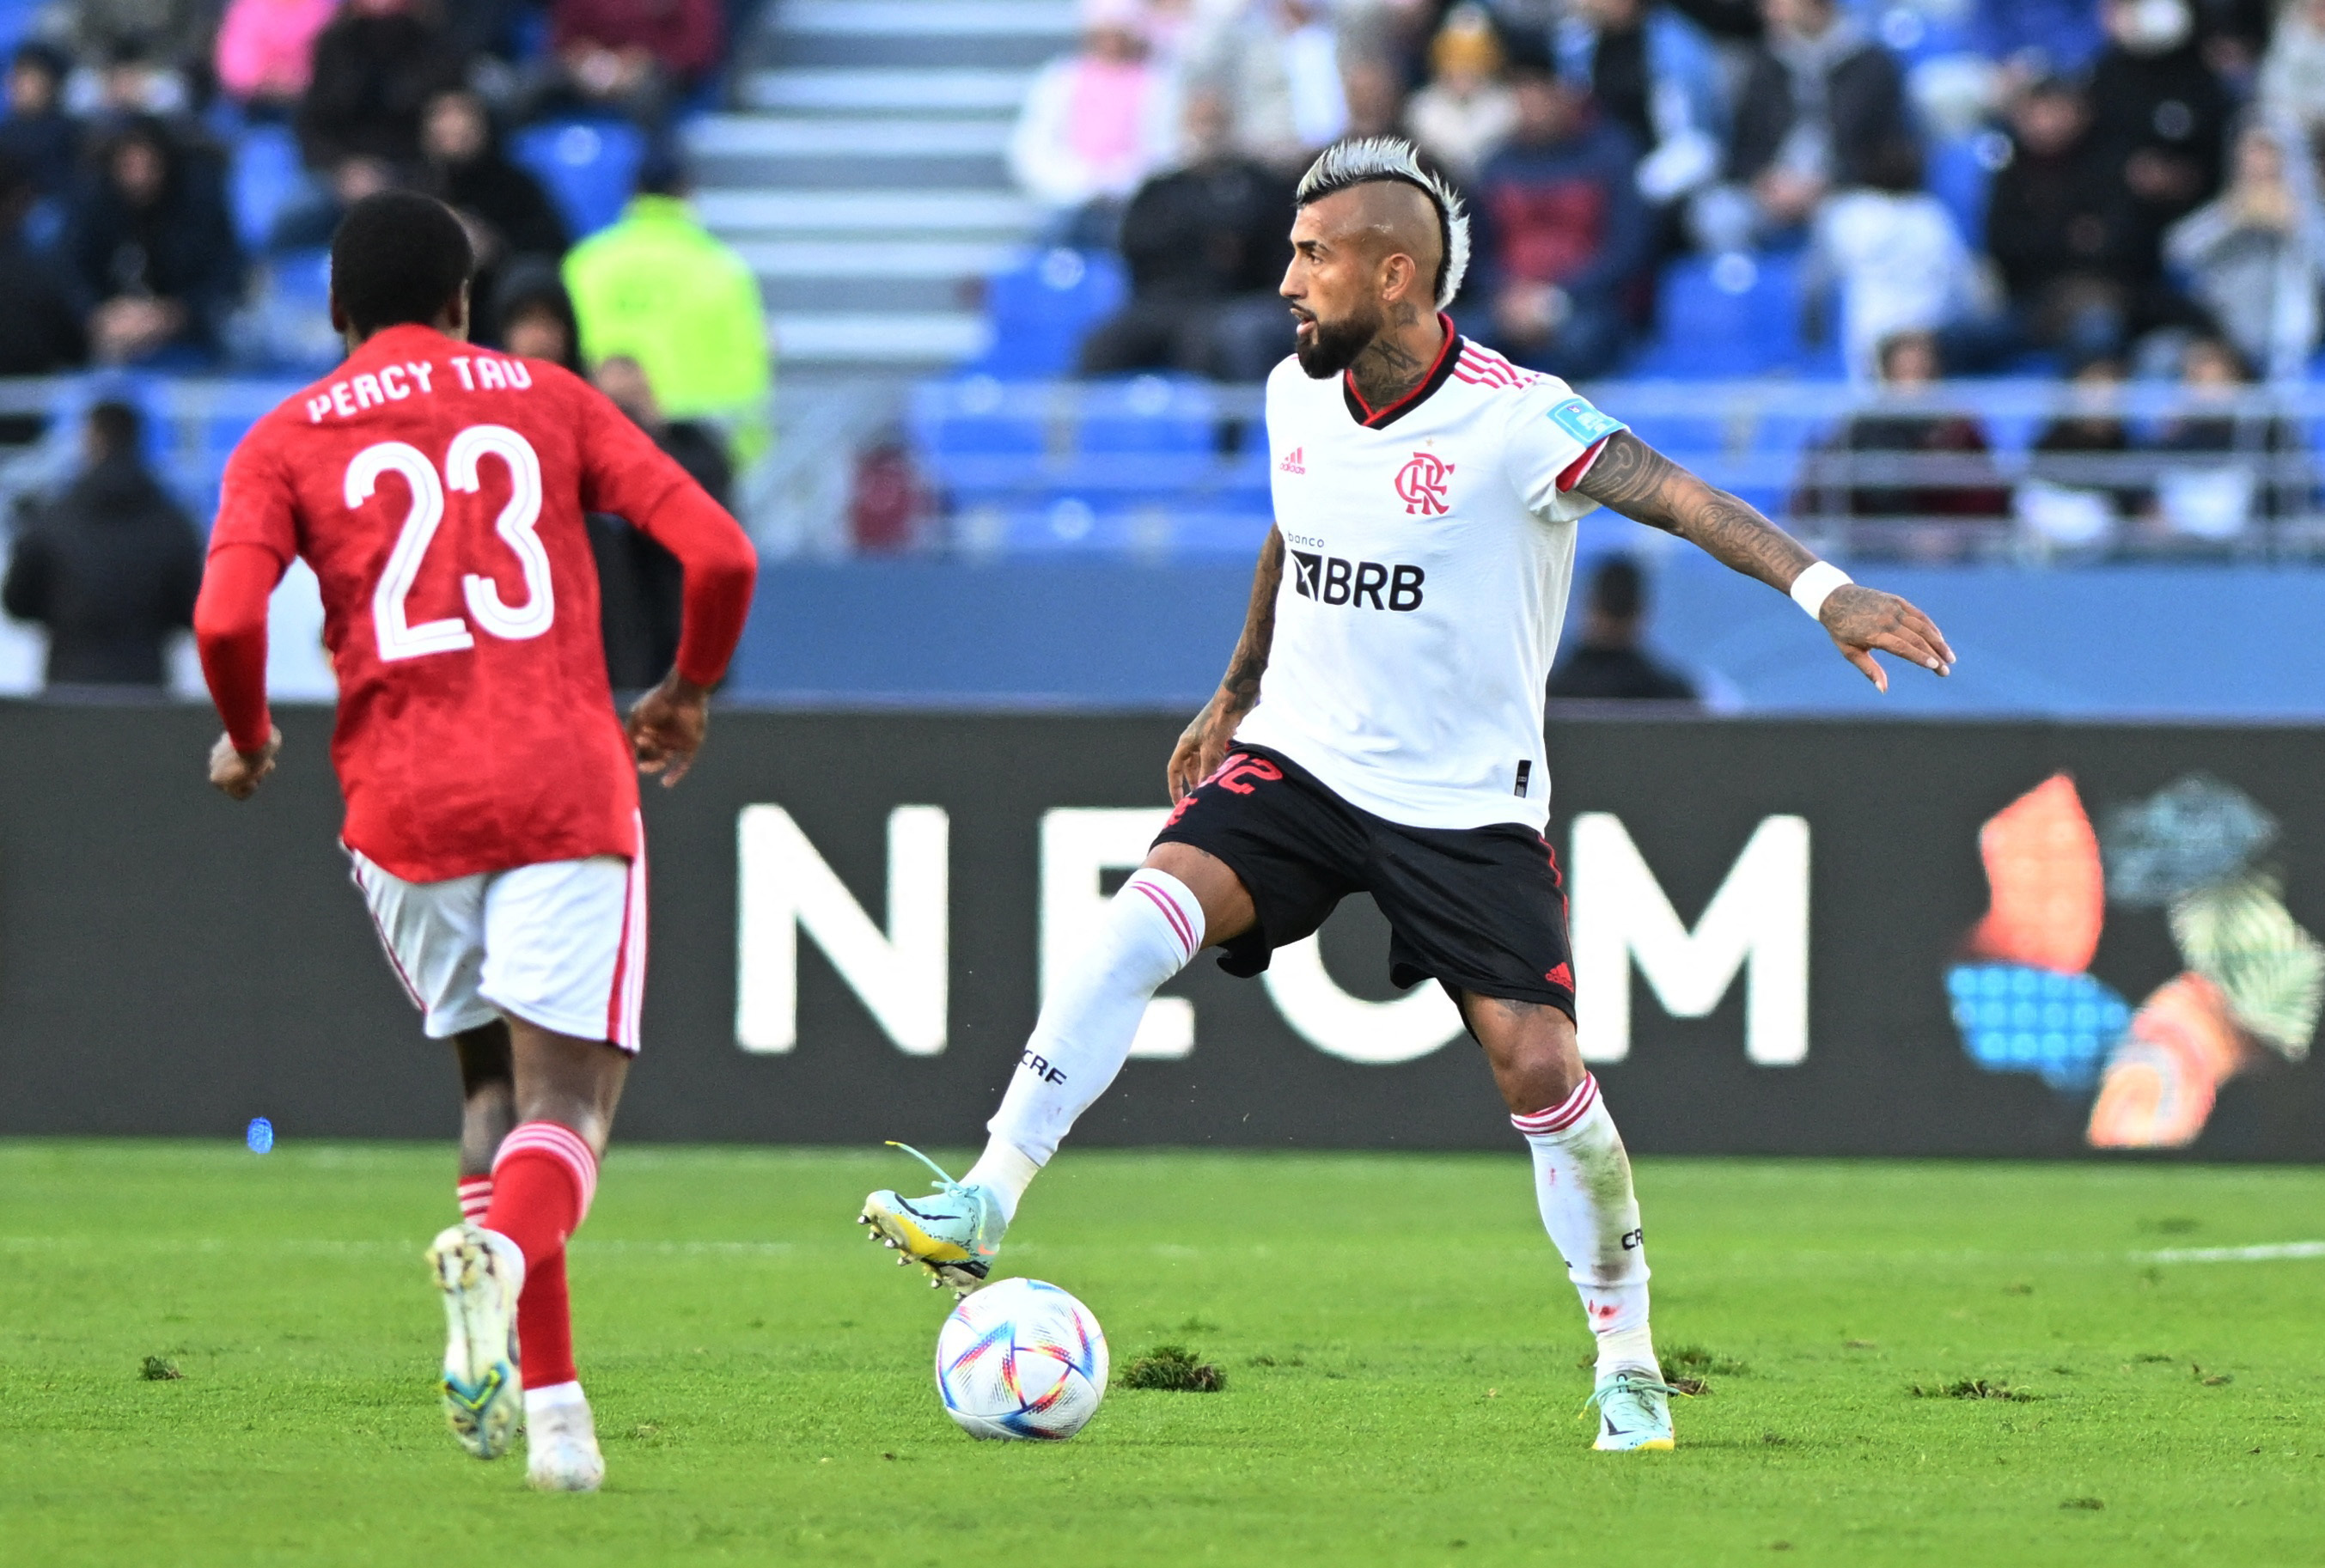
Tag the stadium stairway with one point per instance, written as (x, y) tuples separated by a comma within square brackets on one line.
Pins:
[(863, 175)]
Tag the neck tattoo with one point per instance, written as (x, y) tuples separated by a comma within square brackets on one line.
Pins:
[(1387, 371)]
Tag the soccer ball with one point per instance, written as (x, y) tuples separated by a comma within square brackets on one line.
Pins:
[(1021, 1358)]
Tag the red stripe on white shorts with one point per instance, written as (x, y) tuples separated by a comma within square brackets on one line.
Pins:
[(626, 997), (356, 870)]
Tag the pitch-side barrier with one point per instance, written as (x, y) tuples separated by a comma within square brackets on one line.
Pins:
[(1790, 937)]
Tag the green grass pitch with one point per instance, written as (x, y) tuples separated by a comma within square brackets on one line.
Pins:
[(1400, 1347)]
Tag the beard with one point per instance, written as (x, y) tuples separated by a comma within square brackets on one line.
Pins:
[(1336, 344)]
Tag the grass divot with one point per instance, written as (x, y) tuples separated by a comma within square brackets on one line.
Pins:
[(1174, 1368)]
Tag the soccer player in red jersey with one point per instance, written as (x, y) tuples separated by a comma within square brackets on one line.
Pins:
[(437, 490)]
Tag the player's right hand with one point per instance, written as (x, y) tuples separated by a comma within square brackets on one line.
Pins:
[(240, 773), (667, 726), (1195, 757)]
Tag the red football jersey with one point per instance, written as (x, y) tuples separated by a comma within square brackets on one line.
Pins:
[(436, 490)]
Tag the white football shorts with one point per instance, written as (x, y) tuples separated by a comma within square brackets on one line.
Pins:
[(562, 944)]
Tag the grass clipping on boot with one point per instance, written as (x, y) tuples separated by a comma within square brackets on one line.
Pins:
[(1174, 1368)]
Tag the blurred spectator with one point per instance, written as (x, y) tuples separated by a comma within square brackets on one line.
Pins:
[(2160, 118), (2255, 258), (1817, 97), (2038, 37), (1559, 231), (2081, 483), (692, 446), (266, 52), (111, 567), (1916, 465), (2258, 469), (1891, 250), (1654, 74), (1096, 122), (1607, 664), (662, 290), (1278, 63), (532, 315), (1374, 90), (376, 66), (307, 221), (150, 250), (2292, 75), (40, 331), (506, 212), (2058, 227), (2233, 35), (641, 587), (1465, 110), (1206, 246), (42, 140), (636, 57), (148, 56)]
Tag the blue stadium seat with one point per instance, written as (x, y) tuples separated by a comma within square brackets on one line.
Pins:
[(1960, 172), (1148, 414), (1731, 315), (265, 178), (1041, 308), (589, 167)]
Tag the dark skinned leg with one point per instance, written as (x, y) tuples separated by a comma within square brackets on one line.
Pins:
[(1228, 910), (1531, 1047), (487, 1095), (563, 1079)]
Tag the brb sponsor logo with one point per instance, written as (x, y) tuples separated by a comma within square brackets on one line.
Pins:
[(1421, 486), (1365, 584)]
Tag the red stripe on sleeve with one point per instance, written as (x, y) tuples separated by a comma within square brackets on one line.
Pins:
[(230, 630), (721, 570), (1574, 471)]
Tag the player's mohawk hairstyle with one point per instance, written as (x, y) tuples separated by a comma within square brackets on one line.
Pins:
[(1370, 159)]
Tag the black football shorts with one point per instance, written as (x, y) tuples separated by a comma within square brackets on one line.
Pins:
[(1476, 909)]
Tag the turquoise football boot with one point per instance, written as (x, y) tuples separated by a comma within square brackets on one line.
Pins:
[(954, 1233), (1634, 1411)]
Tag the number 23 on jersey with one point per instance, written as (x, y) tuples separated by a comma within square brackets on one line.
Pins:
[(519, 519)]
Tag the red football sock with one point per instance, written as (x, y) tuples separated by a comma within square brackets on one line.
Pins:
[(543, 1178), (475, 1195), (544, 1326)]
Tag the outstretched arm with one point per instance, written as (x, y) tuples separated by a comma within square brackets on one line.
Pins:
[(1635, 479), (1204, 744)]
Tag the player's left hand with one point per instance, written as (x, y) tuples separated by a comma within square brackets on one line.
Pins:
[(1861, 619), (239, 773), (667, 726)]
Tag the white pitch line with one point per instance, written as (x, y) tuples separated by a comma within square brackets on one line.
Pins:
[(2269, 1253)]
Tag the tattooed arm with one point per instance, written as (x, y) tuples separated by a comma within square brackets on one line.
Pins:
[(1204, 744), (1635, 479)]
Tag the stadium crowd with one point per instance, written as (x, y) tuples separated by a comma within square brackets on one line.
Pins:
[(123, 245), (2109, 191)]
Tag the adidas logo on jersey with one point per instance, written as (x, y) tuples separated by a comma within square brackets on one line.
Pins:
[(1332, 580), (1293, 462)]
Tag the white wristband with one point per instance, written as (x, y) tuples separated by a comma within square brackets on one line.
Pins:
[(1813, 586)]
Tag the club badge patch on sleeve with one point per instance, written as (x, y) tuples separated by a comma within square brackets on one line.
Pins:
[(1585, 424)]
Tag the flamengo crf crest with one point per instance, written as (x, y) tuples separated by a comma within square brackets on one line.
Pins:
[(1421, 485)]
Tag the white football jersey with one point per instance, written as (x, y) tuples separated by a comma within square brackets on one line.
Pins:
[(1428, 550)]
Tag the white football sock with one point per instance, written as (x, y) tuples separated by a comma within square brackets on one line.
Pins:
[(1152, 928), (1582, 1179), (556, 1396)]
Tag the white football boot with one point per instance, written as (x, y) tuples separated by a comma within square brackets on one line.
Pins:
[(481, 1274), (560, 1446)]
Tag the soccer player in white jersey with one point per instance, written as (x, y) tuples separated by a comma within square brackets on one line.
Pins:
[(1380, 728)]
